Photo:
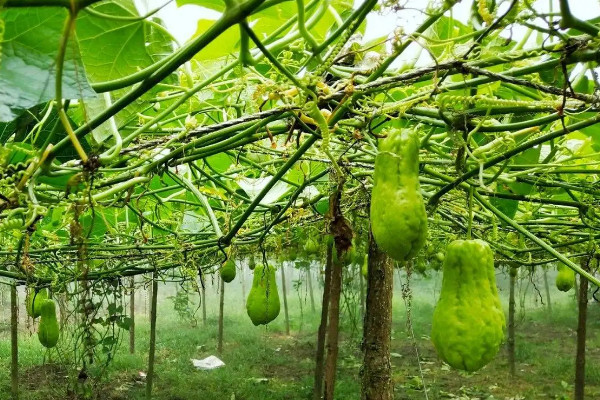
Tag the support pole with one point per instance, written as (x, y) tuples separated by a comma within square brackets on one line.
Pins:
[(150, 376), (14, 344)]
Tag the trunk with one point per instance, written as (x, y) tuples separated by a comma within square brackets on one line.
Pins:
[(132, 316), (510, 345), (221, 306), (581, 332), (576, 286), (547, 287), (376, 372), (319, 366), (333, 330), (310, 289), (285, 304), (14, 344), (150, 376)]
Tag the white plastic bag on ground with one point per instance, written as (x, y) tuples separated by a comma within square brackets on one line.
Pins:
[(208, 363)]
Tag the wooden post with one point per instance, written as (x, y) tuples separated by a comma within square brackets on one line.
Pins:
[(14, 344), (221, 306), (376, 372), (145, 295), (511, 322), (150, 376), (285, 303), (333, 329), (319, 357), (310, 289), (581, 333), (132, 316)]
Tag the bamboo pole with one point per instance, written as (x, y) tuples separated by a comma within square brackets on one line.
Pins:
[(150, 376)]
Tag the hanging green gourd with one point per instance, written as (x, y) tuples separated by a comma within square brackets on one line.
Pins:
[(311, 247), (48, 332), (263, 303), (565, 279), (398, 217), (468, 320), (34, 300), (227, 270)]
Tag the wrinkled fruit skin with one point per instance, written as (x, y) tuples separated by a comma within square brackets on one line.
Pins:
[(48, 330), (398, 217), (468, 321), (311, 247), (263, 300), (565, 279), (34, 302), (227, 271)]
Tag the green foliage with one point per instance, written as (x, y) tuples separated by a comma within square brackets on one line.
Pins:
[(398, 217), (183, 306), (263, 304), (468, 321), (48, 332)]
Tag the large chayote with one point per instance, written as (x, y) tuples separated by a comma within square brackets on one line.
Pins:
[(398, 217), (263, 304), (468, 321)]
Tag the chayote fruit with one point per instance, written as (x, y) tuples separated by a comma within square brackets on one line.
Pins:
[(398, 217), (565, 279), (468, 321), (34, 300), (263, 303), (48, 332), (227, 270)]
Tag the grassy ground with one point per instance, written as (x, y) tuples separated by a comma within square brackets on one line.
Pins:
[(264, 363)]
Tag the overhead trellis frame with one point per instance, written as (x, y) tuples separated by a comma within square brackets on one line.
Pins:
[(143, 175)]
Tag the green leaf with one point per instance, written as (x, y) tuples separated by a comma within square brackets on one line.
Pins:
[(29, 51), (216, 5), (225, 44), (113, 48)]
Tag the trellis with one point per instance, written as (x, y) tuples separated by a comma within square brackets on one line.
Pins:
[(494, 126)]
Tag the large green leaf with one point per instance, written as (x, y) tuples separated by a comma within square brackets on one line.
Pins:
[(29, 51), (225, 44), (115, 48)]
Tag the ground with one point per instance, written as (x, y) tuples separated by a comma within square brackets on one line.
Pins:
[(264, 363)]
